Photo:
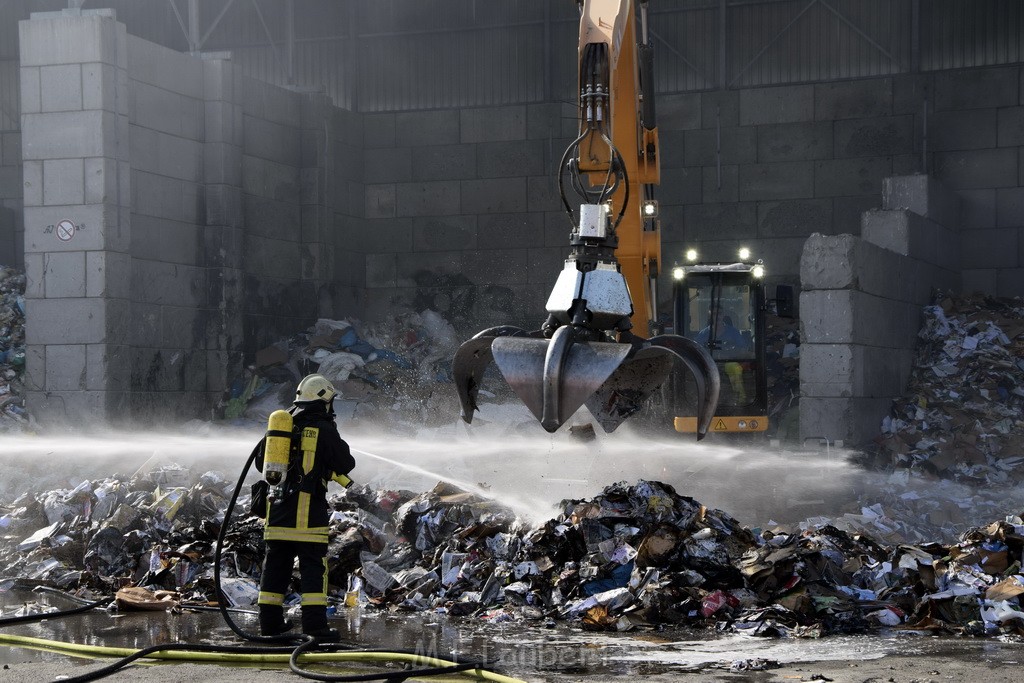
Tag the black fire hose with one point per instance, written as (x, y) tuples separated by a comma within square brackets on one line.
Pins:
[(221, 598), (168, 647), (293, 664), (308, 643), (42, 616)]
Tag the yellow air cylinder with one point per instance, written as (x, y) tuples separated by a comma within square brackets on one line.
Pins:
[(277, 447)]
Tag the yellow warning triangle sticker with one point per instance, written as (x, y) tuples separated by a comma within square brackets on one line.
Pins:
[(720, 425)]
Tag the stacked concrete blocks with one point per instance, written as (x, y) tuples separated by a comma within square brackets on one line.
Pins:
[(170, 293), (861, 303), (179, 217), (77, 193)]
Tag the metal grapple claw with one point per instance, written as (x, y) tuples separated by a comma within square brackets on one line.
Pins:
[(702, 366), (646, 369), (471, 361), (554, 377)]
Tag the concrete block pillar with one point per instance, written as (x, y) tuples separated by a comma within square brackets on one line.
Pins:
[(75, 154), (223, 233)]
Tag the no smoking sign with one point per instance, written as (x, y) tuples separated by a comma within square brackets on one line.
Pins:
[(65, 230)]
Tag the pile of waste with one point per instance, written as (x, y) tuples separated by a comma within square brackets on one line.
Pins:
[(13, 416), (396, 366), (155, 530), (908, 508), (635, 556), (962, 414), (642, 555)]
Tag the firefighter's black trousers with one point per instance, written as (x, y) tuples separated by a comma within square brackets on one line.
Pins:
[(277, 572)]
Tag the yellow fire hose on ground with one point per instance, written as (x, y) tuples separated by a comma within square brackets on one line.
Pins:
[(278, 656)]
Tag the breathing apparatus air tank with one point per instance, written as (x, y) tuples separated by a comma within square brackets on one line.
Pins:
[(277, 447)]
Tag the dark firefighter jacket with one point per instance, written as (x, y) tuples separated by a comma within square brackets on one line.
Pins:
[(301, 514)]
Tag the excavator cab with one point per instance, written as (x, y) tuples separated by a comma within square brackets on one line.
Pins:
[(721, 306)]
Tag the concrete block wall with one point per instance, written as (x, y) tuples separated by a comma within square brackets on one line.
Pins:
[(11, 219), (223, 234), (767, 167), (860, 308), (337, 194), (763, 168), (462, 214), (169, 298), (179, 216), (272, 213)]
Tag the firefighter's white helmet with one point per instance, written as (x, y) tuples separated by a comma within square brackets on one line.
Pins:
[(314, 388)]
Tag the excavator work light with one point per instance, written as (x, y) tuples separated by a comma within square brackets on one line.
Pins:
[(744, 253), (691, 255), (758, 271), (678, 273), (650, 208)]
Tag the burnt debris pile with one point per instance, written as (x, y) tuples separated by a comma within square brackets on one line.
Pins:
[(961, 415), (13, 416), (400, 366), (636, 556)]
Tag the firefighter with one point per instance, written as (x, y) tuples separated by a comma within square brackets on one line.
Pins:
[(297, 517)]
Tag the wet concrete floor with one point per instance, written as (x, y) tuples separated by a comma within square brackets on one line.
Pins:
[(529, 652)]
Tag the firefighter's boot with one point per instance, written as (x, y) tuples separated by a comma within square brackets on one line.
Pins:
[(314, 623), (272, 621)]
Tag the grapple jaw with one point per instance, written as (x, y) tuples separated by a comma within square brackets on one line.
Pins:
[(554, 377), (471, 361)]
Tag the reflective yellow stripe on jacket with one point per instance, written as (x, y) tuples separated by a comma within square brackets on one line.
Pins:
[(283, 533)]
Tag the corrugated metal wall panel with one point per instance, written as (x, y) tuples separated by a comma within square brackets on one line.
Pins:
[(241, 25), (9, 17), (440, 17), (152, 21), (411, 54), (686, 48), (791, 41), (956, 34), (13, 11)]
